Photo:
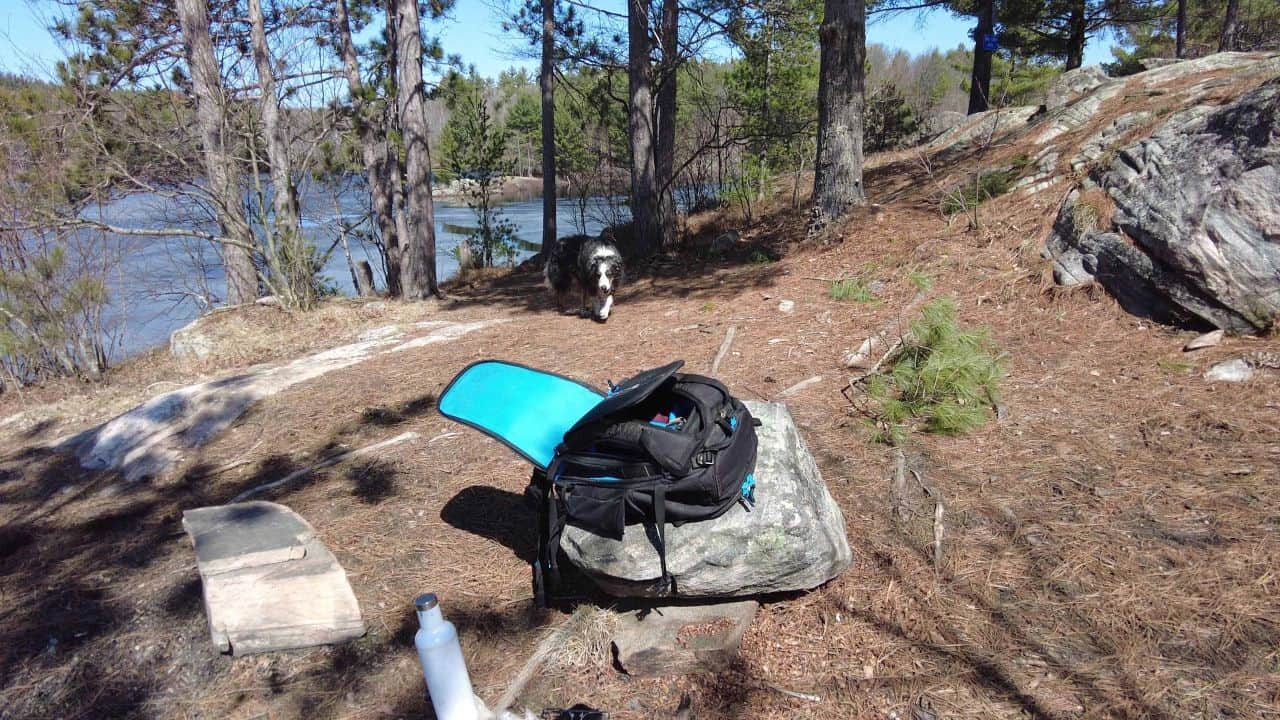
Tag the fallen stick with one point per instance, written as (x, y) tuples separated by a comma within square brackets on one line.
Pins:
[(724, 349), (799, 386), (898, 488), (327, 462), (937, 534), (792, 693), (242, 459)]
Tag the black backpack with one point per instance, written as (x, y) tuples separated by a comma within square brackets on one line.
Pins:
[(661, 447)]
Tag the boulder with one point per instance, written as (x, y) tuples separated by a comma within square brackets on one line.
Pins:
[(1072, 84), (1234, 370), (1198, 214), (792, 539), (942, 121), (190, 342), (1207, 340), (725, 242)]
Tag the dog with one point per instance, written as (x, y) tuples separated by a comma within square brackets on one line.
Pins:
[(592, 265)]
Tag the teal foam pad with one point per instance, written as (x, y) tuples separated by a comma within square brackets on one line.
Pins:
[(526, 409)]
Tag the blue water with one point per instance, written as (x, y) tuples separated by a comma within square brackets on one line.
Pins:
[(162, 283)]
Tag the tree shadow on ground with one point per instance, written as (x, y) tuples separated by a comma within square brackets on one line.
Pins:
[(82, 551), (372, 481)]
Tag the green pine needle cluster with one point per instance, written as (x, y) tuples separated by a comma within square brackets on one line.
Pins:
[(943, 379), (970, 195), (921, 281), (851, 288)]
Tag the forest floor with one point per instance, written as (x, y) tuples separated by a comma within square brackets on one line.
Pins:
[(1112, 545)]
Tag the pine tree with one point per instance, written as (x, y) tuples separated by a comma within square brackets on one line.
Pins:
[(837, 184)]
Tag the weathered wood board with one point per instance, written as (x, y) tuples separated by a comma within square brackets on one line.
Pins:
[(269, 583)]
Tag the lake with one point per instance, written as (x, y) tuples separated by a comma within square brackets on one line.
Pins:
[(160, 284)]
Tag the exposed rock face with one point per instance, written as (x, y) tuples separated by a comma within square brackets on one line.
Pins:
[(980, 127), (1164, 72), (189, 341), (680, 639), (1096, 146), (149, 439), (940, 122), (793, 539), (1078, 114), (1200, 199), (1071, 85)]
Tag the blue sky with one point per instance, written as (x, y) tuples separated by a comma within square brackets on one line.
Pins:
[(475, 32)]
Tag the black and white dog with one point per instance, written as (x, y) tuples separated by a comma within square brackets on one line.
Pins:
[(592, 265)]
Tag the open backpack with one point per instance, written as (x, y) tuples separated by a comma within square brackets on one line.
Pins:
[(660, 447)]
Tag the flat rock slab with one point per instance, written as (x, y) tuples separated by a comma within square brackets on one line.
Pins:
[(269, 583), (150, 439), (793, 539), (681, 639)]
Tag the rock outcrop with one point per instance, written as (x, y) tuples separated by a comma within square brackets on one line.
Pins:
[(1072, 84), (149, 439), (793, 539), (1196, 228), (190, 341)]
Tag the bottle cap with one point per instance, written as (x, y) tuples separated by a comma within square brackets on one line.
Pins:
[(426, 601)]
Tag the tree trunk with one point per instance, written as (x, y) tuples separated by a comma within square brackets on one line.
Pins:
[(644, 191), (980, 79), (391, 154), (1228, 39), (664, 154), (546, 81), (219, 165), (1077, 30), (364, 279), (418, 278), (837, 183), (289, 256), (1181, 32), (373, 148)]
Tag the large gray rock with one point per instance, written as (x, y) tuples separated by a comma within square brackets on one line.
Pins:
[(1198, 203), (190, 341), (1072, 84), (793, 539)]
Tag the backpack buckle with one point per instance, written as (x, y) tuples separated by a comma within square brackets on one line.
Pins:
[(706, 458)]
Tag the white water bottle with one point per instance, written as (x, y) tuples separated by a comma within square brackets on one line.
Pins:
[(442, 663)]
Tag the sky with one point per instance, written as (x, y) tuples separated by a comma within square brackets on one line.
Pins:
[(475, 33)]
